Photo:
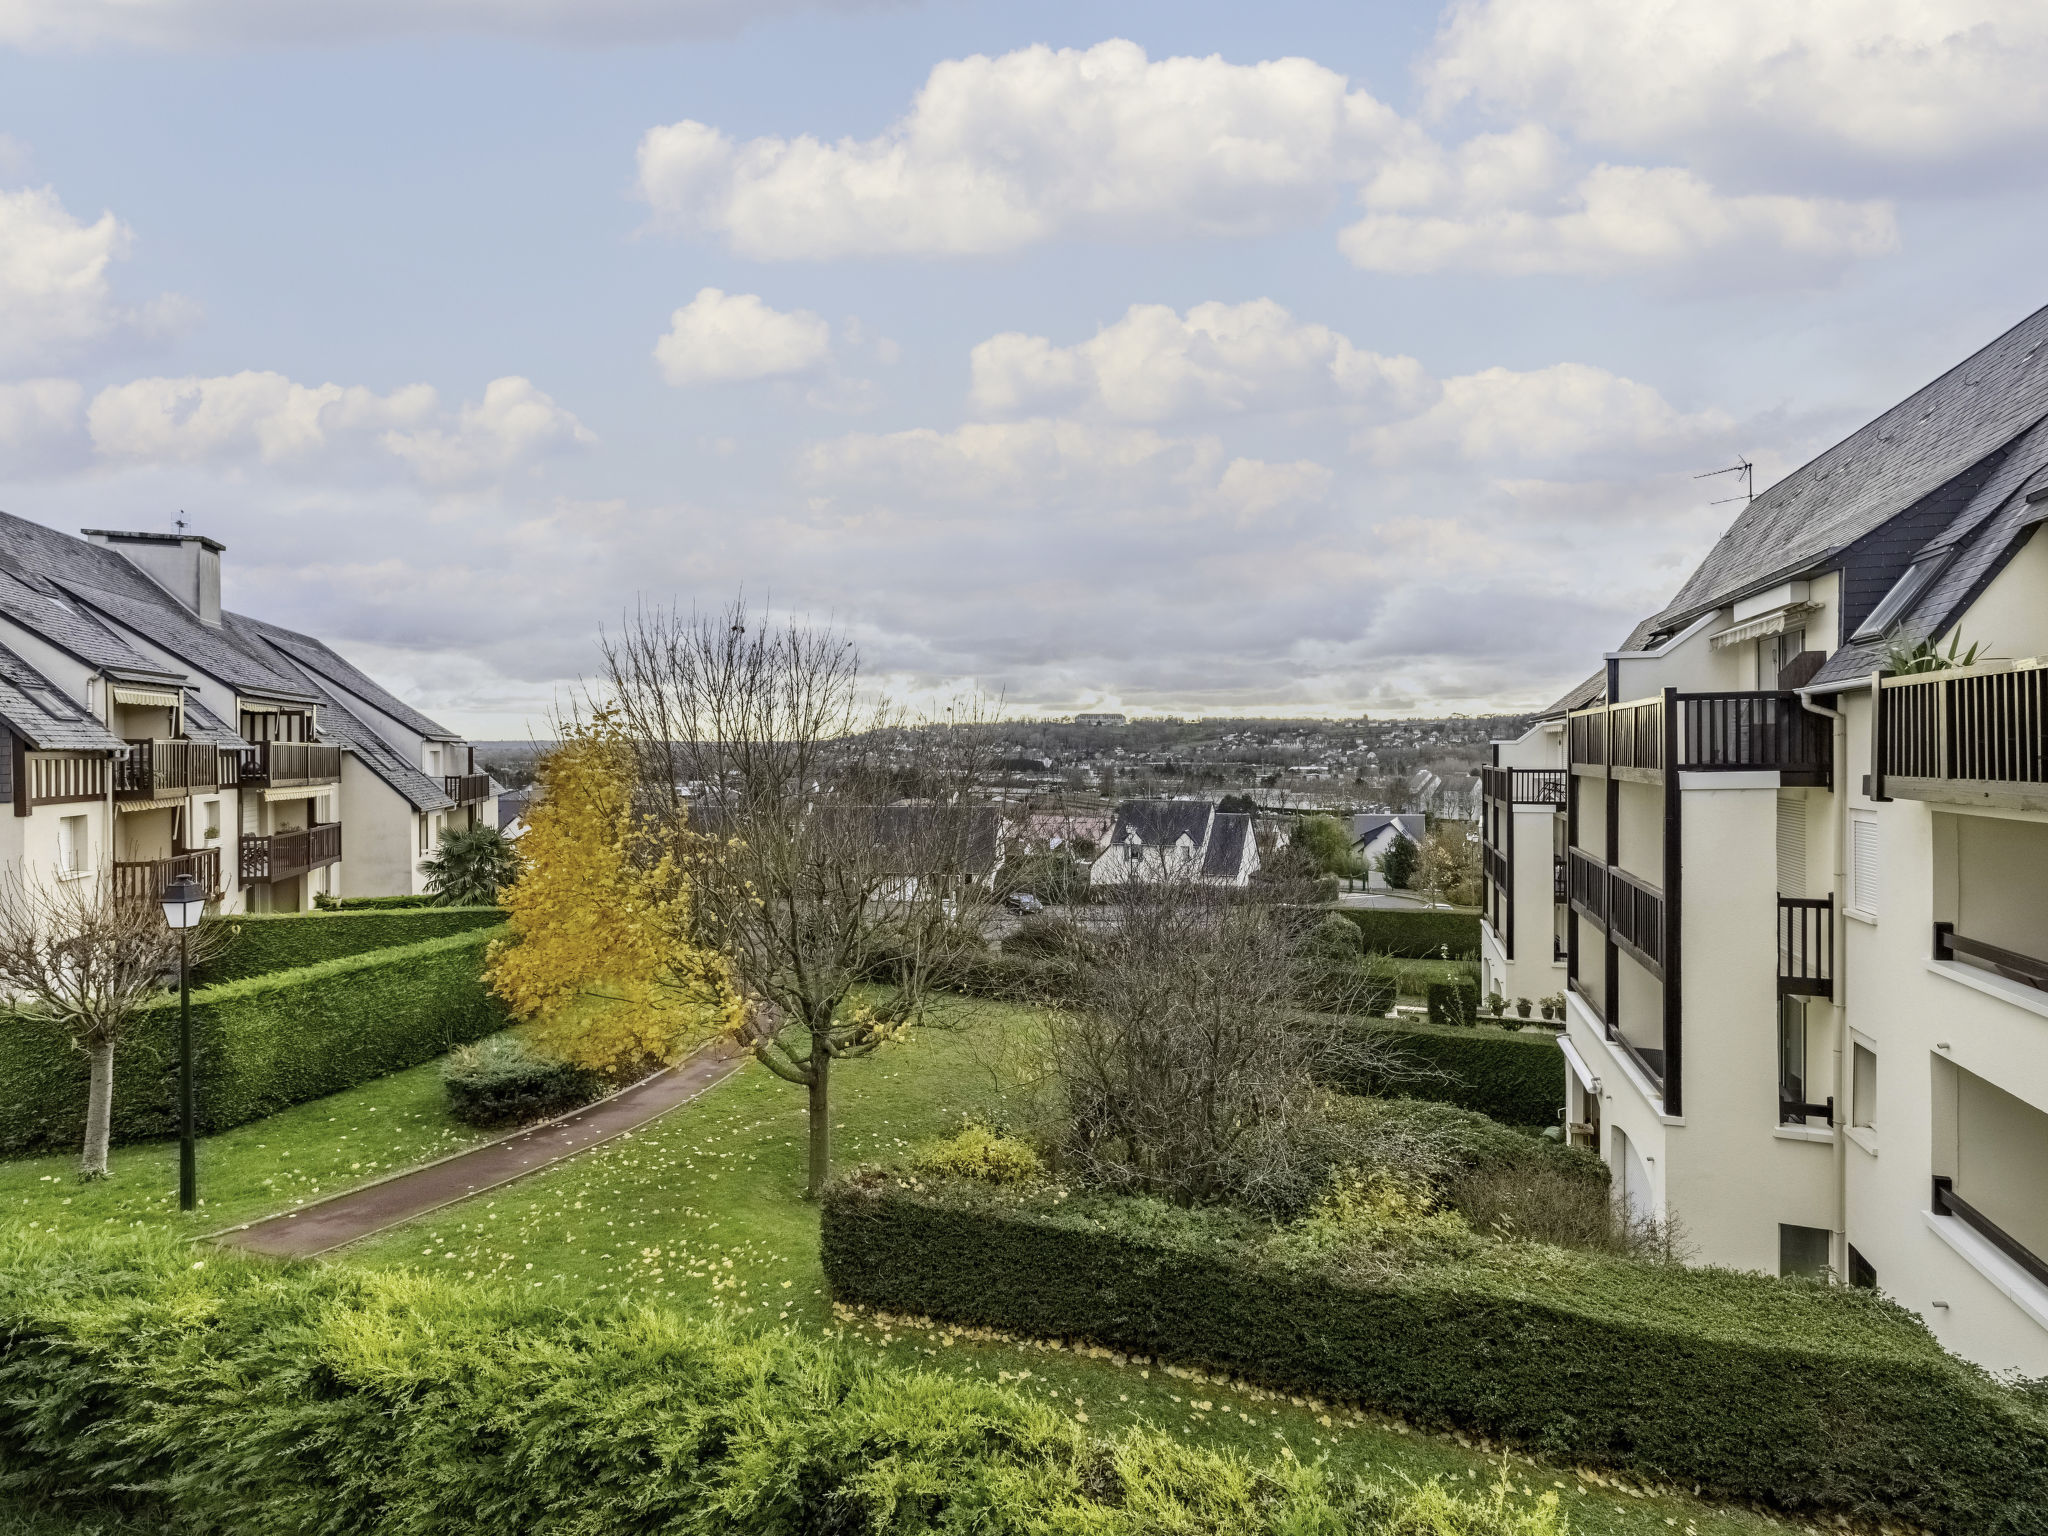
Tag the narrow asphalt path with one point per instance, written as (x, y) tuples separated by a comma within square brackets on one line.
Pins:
[(357, 1213)]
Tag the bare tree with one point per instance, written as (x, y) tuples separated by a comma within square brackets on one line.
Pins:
[(835, 856), (76, 957), (1447, 867), (1191, 1064)]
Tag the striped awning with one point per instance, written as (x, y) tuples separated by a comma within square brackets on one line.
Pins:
[(1761, 629), (303, 792), (147, 698), (169, 803)]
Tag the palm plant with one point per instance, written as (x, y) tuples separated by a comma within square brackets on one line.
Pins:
[(1906, 654), (470, 867)]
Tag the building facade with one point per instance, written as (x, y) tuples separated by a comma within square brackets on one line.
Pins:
[(1802, 909), (150, 734)]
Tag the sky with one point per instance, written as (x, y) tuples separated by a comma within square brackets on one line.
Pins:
[(1190, 358)]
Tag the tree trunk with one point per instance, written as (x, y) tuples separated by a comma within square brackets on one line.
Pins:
[(821, 1121), (99, 1110)]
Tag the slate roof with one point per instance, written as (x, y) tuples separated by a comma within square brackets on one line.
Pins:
[(315, 657), (1230, 833), (202, 724), (43, 714), (1160, 823), (46, 611), (378, 755), (1920, 444), (1369, 824)]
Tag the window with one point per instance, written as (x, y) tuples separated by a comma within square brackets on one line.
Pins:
[(1892, 607), (210, 810), (1792, 1060), (71, 845), (1861, 1271), (1802, 1250), (426, 823), (1863, 1087), (1863, 870)]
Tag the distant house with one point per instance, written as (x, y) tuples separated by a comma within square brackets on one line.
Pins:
[(1099, 719), (1373, 833), (1177, 840)]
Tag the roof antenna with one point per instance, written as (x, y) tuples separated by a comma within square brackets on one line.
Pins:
[(1743, 468), (181, 521)]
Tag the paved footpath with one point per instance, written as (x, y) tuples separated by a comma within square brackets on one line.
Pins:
[(357, 1213)]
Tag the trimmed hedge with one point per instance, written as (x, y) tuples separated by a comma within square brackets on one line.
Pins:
[(375, 903), (262, 1044), (504, 1081), (1515, 1076), (1415, 934), (286, 941), (1454, 1002), (239, 1395), (1786, 1392)]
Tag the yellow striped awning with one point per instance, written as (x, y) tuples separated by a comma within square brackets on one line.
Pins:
[(172, 802), (147, 698)]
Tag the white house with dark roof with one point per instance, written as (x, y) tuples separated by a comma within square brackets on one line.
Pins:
[(1152, 840), (149, 733), (1803, 905)]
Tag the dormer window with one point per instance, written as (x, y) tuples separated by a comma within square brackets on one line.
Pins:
[(1918, 578)]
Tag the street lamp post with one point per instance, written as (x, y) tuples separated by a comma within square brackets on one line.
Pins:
[(184, 902)]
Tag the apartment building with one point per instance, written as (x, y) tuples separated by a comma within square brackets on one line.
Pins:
[(150, 733), (1794, 874)]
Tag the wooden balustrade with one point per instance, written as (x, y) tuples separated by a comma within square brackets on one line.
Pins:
[(467, 788), (281, 855), (161, 769), (1806, 946), (289, 764), (1635, 919), (1973, 735), (59, 778), (1717, 733), (146, 880)]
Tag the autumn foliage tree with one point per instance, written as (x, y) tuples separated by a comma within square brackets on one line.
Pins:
[(600, 913)]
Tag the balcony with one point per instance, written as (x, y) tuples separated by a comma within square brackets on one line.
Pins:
[(1628, 909), (1524, 786), (1950, 1204), (1708, 733), (467, 788), (2011, 964), (160, 770), (1968, 736), (281, 855), (145, 880), (291, 764), (1806, 946)]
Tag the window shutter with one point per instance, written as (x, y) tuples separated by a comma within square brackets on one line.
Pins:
[(1863, 850), (1791, 845)]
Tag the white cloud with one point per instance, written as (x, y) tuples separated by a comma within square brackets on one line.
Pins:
[(200, 23), (999, 153), (54, 295), (1624, 219), (1887, 85), (723, 338), (1566, 414), (269, 419), (1154, 365), (40, 421)]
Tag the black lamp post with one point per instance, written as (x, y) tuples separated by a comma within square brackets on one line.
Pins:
[(184, 902)]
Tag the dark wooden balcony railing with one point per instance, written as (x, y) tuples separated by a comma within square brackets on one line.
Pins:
[(281, 855), (2009, 963), (1806, 946), (1494, 865), (289, 764), (1524, 786), (146, 879), (157, 769), (1558, 891), (1717, 733), (467, 788), (1635, 919), (1948, 1203), (1586, 883), (1982, 731)]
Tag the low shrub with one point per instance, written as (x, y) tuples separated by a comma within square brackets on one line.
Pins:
[(262, 1043), (979, 1153), (1515, 1076), (505, 1081), (236, 1395), (1046, 937), (1416, 934), (373, 903), (286, 941), (1013, 978), (1789, 1392), (1454, 1002)]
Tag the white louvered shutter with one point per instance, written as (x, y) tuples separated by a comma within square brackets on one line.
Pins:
[(1791, 845), (1863, 854)]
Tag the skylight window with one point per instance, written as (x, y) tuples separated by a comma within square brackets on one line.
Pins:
[(1919, 576)]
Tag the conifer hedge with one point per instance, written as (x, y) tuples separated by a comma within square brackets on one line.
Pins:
[(232, 1394), (286, 941), (262, 1043), (1788, 1392), (1416, 934), (1512, 1075)]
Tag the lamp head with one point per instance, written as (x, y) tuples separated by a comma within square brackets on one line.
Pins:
[(184, 902)]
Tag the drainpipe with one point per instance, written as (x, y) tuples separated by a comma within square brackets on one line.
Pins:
[(1837, 984)]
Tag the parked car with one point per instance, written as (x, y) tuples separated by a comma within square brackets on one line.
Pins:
[(1023, 901)]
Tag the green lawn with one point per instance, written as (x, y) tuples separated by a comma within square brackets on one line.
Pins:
[(1416, 975), (704, 1210)]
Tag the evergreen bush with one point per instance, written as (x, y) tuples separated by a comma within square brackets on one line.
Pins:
[(262, 1043), (1416, 934), (1454, 1002), (505, 1081), (1813, 1398), (231, 1394), (1513, 1077), (286, 941)]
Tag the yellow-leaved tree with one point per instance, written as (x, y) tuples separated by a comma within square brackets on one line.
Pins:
[(599, 913)]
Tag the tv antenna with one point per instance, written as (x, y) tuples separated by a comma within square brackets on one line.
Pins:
[(1743, 468), (181, 520)]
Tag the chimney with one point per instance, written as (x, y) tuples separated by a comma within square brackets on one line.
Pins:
[(186, 565)]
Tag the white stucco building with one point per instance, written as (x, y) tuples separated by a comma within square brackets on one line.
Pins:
[(1802, 909), (1181, 840), (150, 733)]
